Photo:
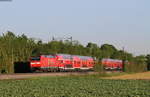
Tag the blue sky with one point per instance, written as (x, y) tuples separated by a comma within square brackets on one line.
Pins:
[(123, 23)]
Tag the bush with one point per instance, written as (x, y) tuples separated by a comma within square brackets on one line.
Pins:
[(135, 67), (98, 67)]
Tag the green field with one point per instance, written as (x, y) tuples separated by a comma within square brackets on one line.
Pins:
[(74, 87)]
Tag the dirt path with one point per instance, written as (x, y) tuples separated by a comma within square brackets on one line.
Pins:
[(142, 76), (30, 75)]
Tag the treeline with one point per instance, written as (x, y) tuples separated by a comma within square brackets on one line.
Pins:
[(15, 49)]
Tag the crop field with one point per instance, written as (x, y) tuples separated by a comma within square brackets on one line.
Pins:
[(74, 86)]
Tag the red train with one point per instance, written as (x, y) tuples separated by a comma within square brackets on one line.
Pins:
[(112, 64), (66, 62), (61, 62)]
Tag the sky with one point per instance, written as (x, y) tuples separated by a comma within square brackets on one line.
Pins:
[(122, 23)]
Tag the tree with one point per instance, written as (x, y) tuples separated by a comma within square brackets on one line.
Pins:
[(94, 50), (108, 50), (14, 48)]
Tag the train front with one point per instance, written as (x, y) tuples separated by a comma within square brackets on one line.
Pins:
[(35, 63)]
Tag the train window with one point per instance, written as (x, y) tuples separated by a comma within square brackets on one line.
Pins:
[(67, 56), (50, 56), (35, 58)]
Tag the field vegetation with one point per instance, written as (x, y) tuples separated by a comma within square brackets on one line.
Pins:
[(74, 86)]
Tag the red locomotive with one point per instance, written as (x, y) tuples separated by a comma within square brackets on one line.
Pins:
[(112, 64), (61, 62)]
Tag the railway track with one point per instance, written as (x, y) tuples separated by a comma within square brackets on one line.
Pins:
[(30, 75)]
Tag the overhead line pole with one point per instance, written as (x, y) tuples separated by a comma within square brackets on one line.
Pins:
[(124, 59)]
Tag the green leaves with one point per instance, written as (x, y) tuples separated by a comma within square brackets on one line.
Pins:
[(13, 49), (74, 87)]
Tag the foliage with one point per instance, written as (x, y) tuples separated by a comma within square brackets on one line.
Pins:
[(74, 87), (98, 67), (108, 50), (138, 64), (13, 49)]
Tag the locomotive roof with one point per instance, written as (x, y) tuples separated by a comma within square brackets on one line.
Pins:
[(71, 56)]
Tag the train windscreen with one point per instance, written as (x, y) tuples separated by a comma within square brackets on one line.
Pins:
[(35, 59)]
